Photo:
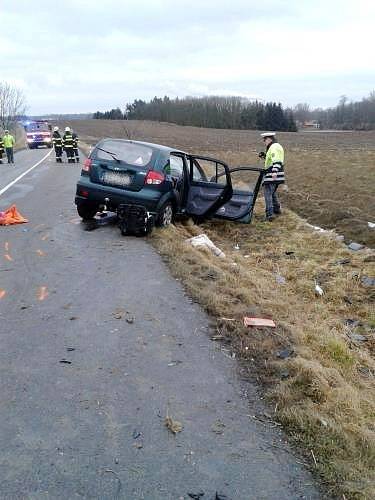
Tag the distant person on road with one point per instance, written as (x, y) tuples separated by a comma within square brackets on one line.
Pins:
[(68, 144), (57, 144), (1, 149), (274, 173), (75, 146), (9, 143)]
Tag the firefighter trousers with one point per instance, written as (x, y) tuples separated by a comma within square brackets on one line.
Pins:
[(70, 155), (58, 153)]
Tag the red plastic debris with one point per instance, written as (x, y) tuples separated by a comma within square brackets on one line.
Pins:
[(259, 322)]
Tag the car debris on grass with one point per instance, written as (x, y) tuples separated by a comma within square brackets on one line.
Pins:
[(203, 241), (259, 322)]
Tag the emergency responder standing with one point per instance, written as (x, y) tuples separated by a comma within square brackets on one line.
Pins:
[(9, 143), (1, 149), (68, 145), (75, 146), (57, 144), (274, 173)]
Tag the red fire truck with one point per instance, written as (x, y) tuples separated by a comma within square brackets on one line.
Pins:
[(38, 133)]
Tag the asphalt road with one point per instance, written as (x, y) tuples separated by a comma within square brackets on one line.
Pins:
[(98, 344)]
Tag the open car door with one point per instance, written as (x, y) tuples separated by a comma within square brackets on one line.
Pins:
[(210, 185), (246, 183)]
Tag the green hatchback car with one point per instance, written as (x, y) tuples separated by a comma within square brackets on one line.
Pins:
[(166, 181)]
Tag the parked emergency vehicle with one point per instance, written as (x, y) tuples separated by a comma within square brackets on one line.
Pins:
[(38, 133)]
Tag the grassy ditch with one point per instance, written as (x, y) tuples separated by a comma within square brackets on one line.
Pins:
[(323, 391)]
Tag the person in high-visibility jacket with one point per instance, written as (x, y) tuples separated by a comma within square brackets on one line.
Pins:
[(9, 143), (57, 144), (1, 149), (75, 146), (274, 173), (68, 145)]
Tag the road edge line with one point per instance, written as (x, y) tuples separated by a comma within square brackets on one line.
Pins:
[(2, 191)]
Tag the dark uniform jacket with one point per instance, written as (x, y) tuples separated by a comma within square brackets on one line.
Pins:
[(68, 141), (56, 139)]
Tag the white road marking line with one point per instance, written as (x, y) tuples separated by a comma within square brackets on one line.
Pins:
[(22, 175)]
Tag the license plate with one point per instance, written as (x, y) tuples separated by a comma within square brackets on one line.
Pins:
[(116, 179)]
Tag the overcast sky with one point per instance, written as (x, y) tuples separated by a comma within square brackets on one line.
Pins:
[(83, 56)]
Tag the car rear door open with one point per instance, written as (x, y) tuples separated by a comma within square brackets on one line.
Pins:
[(209, 184)]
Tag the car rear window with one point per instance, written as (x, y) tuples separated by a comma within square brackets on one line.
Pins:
[(128, 152)]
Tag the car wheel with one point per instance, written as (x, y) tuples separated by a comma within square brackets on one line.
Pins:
[(165, 215), (86, 211)]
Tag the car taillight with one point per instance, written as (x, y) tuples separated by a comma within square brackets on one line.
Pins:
[(87, 165), (153, 177)]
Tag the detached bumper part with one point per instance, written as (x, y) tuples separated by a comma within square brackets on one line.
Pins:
[(134, 219)]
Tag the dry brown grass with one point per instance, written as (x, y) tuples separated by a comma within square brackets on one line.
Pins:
[(324, 393)]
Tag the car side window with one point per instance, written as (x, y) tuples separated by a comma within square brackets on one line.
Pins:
[(208, 171), (198, 174), (176, 164)]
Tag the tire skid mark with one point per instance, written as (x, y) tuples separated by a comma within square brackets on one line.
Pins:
[(2, 293), (42, 293)]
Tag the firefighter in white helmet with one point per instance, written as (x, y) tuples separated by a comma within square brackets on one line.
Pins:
[(57, 144), (68, 144)]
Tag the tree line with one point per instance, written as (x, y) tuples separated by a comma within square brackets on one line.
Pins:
[(347, 115), (209, 112)]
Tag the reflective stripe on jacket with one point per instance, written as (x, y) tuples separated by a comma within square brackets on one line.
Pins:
[(274, 164), (68, 140), (8, 141)]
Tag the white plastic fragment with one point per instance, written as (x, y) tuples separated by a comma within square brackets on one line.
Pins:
[(202, 240), (355, 246), (318, 290), (280, 279), (371, 225)]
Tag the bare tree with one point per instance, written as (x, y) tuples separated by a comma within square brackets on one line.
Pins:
[(12, 105), (301, 111)]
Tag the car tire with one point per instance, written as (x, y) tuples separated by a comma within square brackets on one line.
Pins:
[(87, 211), (165, 215)]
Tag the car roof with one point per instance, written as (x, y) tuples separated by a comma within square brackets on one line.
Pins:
[(159, 147)]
